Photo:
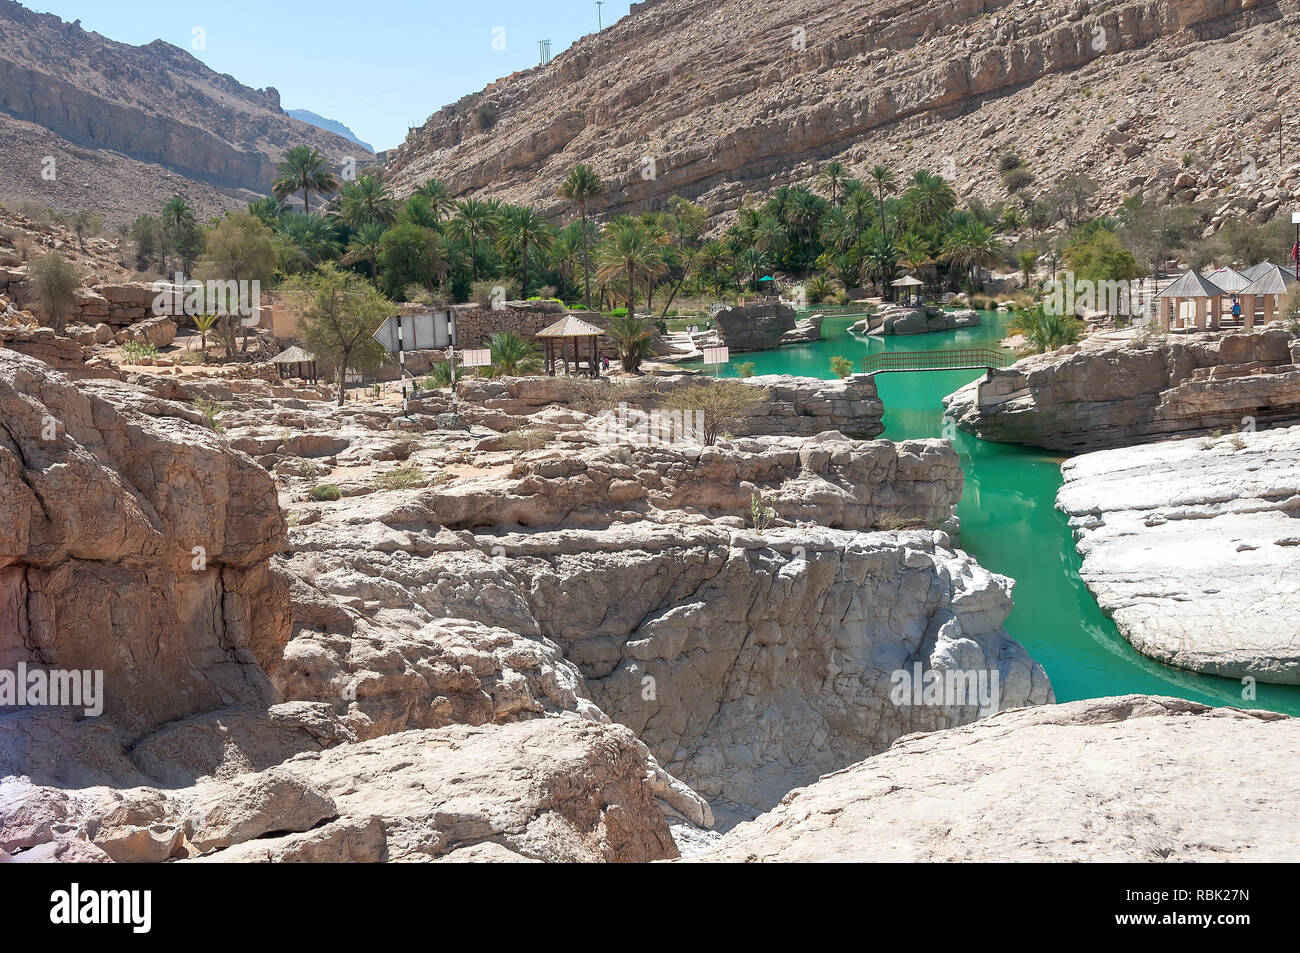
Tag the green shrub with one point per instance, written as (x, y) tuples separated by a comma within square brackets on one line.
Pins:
[(402, 478), (841, 367), (324, 492)]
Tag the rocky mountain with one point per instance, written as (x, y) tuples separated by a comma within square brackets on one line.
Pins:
[(721, 100), (329, 125), (92, 123)]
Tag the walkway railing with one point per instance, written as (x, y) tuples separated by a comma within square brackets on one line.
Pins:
[(958, 359)]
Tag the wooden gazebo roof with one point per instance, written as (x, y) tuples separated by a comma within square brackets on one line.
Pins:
[(570, 327)]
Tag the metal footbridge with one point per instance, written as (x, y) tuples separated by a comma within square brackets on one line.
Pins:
[(957, 359)]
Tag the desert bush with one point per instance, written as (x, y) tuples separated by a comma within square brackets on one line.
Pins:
[(715, 404), (401, 478), (527, 439), (324, 492)]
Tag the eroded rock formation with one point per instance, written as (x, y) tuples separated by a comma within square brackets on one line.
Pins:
[(1098, 395), (1193, 547), (1134, 779), (557, 640)]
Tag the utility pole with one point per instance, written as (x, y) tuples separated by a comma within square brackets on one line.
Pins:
[(599, 22)]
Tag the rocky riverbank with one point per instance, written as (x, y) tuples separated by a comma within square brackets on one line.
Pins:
[(526, 644), (1094, 396), (896, 320), (1193, 547)]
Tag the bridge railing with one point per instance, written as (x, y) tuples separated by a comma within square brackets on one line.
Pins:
[(955, 359)]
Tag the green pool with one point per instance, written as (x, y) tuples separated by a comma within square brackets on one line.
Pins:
[(1010, 524)]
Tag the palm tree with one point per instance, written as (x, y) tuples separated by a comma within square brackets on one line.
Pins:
[(512, 355), (832, 177), (714, 259), (632, 336), (567, 252), (628, 250), (179, 229), (367, 201), (475, 221), (928, 200), (581, 186), (1045, 331), (751, 262), (439, 196), (418, 210), (204, 323), (885, 182), (364, 246), (972, 246), (881, 259), (304, 170), (913, 252), (524, 228)]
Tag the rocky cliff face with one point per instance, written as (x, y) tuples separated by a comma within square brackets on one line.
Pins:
[(718, 100), (65, 93), (1099, 395), (1192, 547)]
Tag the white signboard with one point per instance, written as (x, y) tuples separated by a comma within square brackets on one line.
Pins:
[(435, 329), (716, 355), (476, 358)]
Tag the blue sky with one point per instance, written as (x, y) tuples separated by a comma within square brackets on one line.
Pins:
[(378, 66)]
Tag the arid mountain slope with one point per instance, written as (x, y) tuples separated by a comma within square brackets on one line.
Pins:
[(717, 99), (129, 126)]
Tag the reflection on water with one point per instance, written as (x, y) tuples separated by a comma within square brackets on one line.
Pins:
[(1010, 523)]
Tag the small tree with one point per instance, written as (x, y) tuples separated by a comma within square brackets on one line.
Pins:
[(513, 355), (341, 313), (841, 367), (715, 404), (240, 249), (633, 337), (204, 324), (55, 282)]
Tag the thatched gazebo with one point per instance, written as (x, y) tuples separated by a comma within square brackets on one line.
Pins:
[(1190, 298), (575, 329), (295, 362)]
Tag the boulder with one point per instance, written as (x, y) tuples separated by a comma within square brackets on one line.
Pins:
[(754, 327), (1053, 784), (1193, 547)]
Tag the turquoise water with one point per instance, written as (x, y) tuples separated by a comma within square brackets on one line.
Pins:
[(1010, 524)]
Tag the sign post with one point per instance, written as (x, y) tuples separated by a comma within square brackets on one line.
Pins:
[(717, 356)]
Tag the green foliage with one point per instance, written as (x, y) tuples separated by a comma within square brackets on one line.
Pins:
[(513, 355), (211, 411), (841, 367), (324, 492), (304, 170), (1101, 256), (401, 478), (55, 283), (633, 337), (745, 369), (715, 404), (340, 314), (1044, 331)]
